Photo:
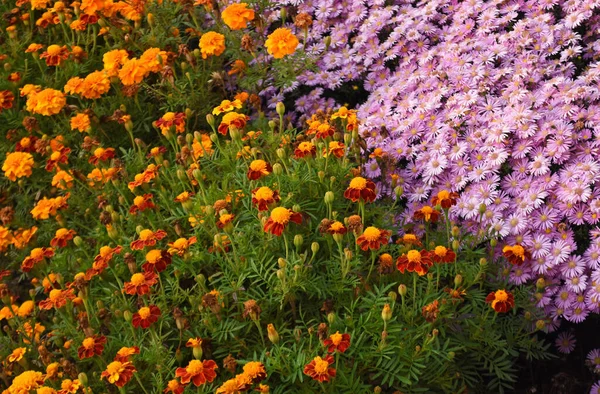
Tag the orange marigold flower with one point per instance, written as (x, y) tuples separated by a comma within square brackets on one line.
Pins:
[(258, 169), (337, 228), (46, 102), (6, 99), (171, 119), (212, 44), (200, 148), (516, 254), (101, 175), (57, 299), (33, 47), (336, 148), (174, 387), (147, 238), (145, 177), (141, 203), (146, 316), (18, 165), (281, 42), (337, 342), (501, 300), (35, 256), (47, 207), (430, 311), (80, 122), (445, 199), (21, 237), (140, 283), (319, 370), (55, 55), (441, 254), (255, 370), (305, 149), (119, 373), (224, 220), (113, 60), (16, 355), (95, 85), (181, 245), (26, 144), (156, 260), (410, 239), (198, 372), (69, 386), (373, 238), (59, 156), (125, 353), (61, 237), (232, 119), (227, 106), (237, 16), (73, 86), (263, 196), (279, 219), (26, 382), (132, 72), (361, 189), (91, 346), (427, 213), (414, 261), (154, 59), (26, 308), (194, 342), (157, 151)]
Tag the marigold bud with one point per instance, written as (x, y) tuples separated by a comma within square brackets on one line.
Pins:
[(455, 245), (151, 20), (458, 280), (455, 231), (540, 324), (197, 174), (402, 290), (540, 283), (314, 247), (83, 378), (386, 313), (493, 243), (527, 315), (331, 318), (277, 169), (272, 334), (329, 197), (280, 274), (197, 352), (281, 262), (280, 153), (127, 315), (393, 296), (377, 390), (348, 254), (483, 261), (272, 124), (298, 241), (78, 241), (280, 107), (451, 355)]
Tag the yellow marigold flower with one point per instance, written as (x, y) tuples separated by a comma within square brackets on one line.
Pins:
[(95, 85), (46, 102), (227, 106), (212, 44), (113, 60), (26, 382), (80, 122), (45, 390), (202, 147), (39, 4), (281, 42), (33, 48), (133, 72), (154, 59), (237, 16), (29, 88), (17, 165), (16, 354), (26, 308)]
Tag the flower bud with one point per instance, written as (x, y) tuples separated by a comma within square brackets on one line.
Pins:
[(393, 296), (540, 324), (277, 169), (540, 283), (398, 191), (83, 378), (455, 231), (272, 124), (455, 245), (197, 174), (482, 208), (272, 334), (321, 175), (329, 197), (527, 315), (348, 254), (280, 274), (127, 315), (296, 208), (327, 42), (331, 318), (78, 241), (280, 153), (386, 313), (298, 241), (458, 280), (151, 20), (181, 175), (451, 355), (402, 290), (283, 14), (314, 247), (280, 107), (493, 242), (197, 352), (210, 119), (483, 261), (281, 262)]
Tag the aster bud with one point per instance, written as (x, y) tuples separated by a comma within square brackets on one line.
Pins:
[(277, 169), (386, 313), (527, 315), (314, 247), (272, 334), (402, 290), (482, 208), (283, 14), (327, 42), (329, 197)]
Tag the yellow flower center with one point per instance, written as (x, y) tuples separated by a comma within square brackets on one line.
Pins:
[(53, 50), (372, 233), (114, 369), (414, 256), (224, 219), (358, 183), (518, 251), (99, 152), (321, 366), (305, 146), (169, 116), (440, 251), (336, 226), (181, 243), (153, 256), (281, 215), (88, 343), (443, 195), (195, 367), (144, 312), (138, 279), (61, 232), (258, 165), (146, 234), (501, 296), (55, 294), (409, 237), (55, 156), (336, 338), (138, 200), (264, 193), (427, 210), (105, 251), (25, 142), (37, 253)]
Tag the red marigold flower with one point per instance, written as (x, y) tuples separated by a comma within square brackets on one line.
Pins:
[(181, 245), (501, 300), (279, 218), (516, 254), (101, 154), (441, 254), (119, 373), (224, 220), (361, 189), (101, 261), (232, 119), (372, 238), (91, 346), (145, 316), (305, 149), (125, 353), (198, 372), (55, 55), (414, 261), (145, 177), (140, 283), (337, 342), (174, 387), (141, 203), (171, 119), (427, 213), (156, 260), (319, 370), (258, 169), (262, 197), (336, 148), (35, 256), (147, 238), (410, 239), (57, 299), (337, 228), (26, 144), (157, 151), (430, 311), (445, 199), (321, 130), (6, 99), (61, 237), (59, 156)]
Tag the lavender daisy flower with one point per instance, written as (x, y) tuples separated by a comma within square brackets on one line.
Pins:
[(565, 342)]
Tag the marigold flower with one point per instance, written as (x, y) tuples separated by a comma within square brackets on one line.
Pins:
[(101, 175), (194, 342), (147, 238), (200, 148), (361, 189), (337, 342), (156, 260), (57, 299), (501, 300), (336, 148), (232, 119), (212, 44), (279, 219), (224, 220), (252, 310), (47, 207), (91, 346), (69, 386), (319, 370), (132, 72), (171, 119), (414, 261), (410, 239), (154, 59), (26, 382), (58, 156), (140, 283), (281, 42), (263, 196), (18, 165), (145, 177), (445, 199), (441, 254), (35, 256), (80, 122), (113, 60), (198, 372), (237, 16), (227, 106), (125, 353), (337, 228), (373, 238), (26, 308), (119, 373), (55, 55), (22, 237), (33, 47), (145, 316), (181, 245), (46, 102), (174, 387), (237, 385), (61, 237), (305, 149), (157, 151), (6, 99), (516, 254), (258, 169), (16, 355), (427, 213), (255, 370), (430, 311), (141, 203)]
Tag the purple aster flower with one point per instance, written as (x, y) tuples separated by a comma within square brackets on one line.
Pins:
[(565, 342)]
